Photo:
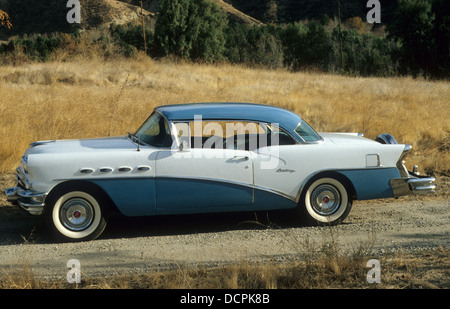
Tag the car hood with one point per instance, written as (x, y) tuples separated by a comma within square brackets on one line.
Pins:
[(81, 145)]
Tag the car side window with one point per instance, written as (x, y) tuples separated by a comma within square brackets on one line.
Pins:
[(276, 136), (225, 134), (234, 134)]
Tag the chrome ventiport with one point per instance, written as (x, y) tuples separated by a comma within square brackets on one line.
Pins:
[(143, 168), (86, 171), (124, 169)]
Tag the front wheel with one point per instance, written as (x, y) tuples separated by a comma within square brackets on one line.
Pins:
[(325, 201), (76, 214)]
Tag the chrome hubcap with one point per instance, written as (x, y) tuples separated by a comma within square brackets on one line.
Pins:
[(325, 199), (76, 214)]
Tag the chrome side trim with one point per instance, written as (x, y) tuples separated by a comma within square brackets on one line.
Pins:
[(209, 179), (243, 184), (237, 183), (276, 192)]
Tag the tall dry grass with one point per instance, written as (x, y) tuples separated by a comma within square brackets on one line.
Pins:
[(91, 98)]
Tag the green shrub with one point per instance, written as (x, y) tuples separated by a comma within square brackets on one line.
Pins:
[(131, 38), (253, 45), (190, 29), (37, 47)]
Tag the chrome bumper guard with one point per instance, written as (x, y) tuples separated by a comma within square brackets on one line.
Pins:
[(30, 201), (414, 184)]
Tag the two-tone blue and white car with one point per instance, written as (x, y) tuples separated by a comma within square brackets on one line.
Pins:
[(210, 157)]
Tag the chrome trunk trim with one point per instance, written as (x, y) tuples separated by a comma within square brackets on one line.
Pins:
[(400, 163)]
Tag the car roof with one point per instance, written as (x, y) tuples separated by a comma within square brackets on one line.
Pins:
[(231, 111)]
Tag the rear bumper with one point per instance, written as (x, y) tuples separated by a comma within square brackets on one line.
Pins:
[(32, 202), (413, 184)]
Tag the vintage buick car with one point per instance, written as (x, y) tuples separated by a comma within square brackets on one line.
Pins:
[(210, 157)]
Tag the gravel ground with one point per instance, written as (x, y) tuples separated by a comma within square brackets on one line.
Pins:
[(158, 243)]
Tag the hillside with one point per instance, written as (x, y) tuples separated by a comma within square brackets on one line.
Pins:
[(233, 13), (40, 16), (46, 16)]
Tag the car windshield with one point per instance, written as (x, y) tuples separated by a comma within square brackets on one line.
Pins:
[(155, 131), (307, 133)]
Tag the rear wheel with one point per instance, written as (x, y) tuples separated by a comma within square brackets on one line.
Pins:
[(76, 214), (325, 201)]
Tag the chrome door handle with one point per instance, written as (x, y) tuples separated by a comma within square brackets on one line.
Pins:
[(242, 157)]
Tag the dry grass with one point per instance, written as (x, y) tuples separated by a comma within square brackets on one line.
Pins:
[(421, 270), (93, 98)]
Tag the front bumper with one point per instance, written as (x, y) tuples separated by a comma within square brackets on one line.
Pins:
[(32, 202), (413, 184)]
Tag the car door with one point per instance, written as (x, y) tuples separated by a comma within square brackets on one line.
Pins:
[(278, 168), (203, 179)]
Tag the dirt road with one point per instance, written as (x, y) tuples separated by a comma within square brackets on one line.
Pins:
[(143, 244)]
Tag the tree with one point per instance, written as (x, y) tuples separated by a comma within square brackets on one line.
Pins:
[(254, 45), (190, 29), (306, 46), (423, 29), (441, 39)]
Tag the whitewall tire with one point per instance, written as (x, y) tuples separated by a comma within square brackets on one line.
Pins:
[(326, 201), (76, 215)]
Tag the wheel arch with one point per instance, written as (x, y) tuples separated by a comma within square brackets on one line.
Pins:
[(327, 174), (83, 184)]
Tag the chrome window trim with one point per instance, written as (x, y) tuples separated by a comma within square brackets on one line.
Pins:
[(321, 140), (175, 136)]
